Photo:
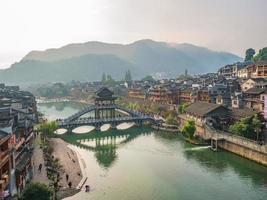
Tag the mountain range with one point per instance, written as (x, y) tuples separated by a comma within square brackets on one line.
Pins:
[(87, 62)]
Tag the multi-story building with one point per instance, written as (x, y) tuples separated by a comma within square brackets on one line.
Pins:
[(186, 95), (137, 93), (258, 70), (5, 161), (17, 118), (203, 95), (234, 70), (254, 98), (164, 94), (253, 82)]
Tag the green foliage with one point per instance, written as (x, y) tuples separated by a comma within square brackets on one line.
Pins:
[(171, 119), (257, 125), (55, 90), (36, 191), (104, 78), (109, 80), (249, 54), (48, 128), (148, 78), (262, 55), (182, 107), (248, 127), (189, 129)]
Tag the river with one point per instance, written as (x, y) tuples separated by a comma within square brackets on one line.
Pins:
[(140, 163)]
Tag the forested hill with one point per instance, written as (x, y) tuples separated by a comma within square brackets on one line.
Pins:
[(87, 61)]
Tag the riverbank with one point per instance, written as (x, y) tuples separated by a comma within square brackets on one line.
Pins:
[(68, 160)]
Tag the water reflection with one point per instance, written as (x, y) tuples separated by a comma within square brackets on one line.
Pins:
[(105, 144), (217, 162), (60, 106)]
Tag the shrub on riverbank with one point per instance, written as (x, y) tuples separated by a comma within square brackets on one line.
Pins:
[(36, 191), (189, 129), (249, 127)]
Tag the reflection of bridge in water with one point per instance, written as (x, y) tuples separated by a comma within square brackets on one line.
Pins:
[(105, 113), (105, 144)]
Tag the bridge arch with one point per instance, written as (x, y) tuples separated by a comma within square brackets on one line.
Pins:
[(104, 113)]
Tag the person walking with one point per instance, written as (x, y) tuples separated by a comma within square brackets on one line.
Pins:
[(69, 184), (67, 177), (40, 167)]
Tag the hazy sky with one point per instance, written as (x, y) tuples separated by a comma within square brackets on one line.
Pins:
[(224, 25)]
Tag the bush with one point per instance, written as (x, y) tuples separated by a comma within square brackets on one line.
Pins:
[(189, 129), (36, 191)]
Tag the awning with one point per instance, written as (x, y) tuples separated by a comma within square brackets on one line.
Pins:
[(23, 161)]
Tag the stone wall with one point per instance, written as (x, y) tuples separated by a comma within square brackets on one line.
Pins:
[(244, 152)]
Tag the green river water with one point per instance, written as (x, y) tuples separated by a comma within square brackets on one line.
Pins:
[(140, 163)]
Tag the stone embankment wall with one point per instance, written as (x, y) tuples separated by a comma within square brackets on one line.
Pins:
[(239, 145), (243, 151)]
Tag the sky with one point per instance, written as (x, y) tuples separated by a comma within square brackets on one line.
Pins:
[(222, 25)]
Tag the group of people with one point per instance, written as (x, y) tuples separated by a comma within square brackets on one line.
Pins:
[(87, 187)]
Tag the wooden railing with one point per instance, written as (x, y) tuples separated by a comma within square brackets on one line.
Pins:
[(3, 156)]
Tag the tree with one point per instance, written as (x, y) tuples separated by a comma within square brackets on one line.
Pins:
[(189, 129), (262, 55), (148, 78), (244, 128), (171, 120), (182, 107), (36, 191), (110, 80), (48, 128), (104, 78), (128, 76), (249, 54), (257, 125), (186, 73)]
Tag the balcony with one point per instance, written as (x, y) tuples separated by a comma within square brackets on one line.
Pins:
[(4, 181), (4, 156)]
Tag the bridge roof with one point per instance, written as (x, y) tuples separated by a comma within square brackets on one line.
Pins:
[(104, 92)]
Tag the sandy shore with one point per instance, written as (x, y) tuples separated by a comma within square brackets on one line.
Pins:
[(69, 161)]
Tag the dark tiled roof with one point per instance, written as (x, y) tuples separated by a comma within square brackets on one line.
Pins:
[(2, 134), (202, 108), (262, 62), (24, 160), (259, 79), (242, 113), (255, 90), (104, 92)]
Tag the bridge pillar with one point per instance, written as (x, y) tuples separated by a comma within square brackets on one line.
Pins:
[(69, 129), (114, 126), (97, 127)]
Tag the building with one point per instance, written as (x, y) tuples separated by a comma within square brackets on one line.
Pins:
[(234, 70), (224, 99), (18, 114), (201, 112), (137, 93), (164, 94), (237, 100), (203, 95), (253, 82), (254, 98), (186, 95), (257, 70), (5, 161)]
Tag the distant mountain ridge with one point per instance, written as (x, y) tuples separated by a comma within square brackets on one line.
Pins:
[(87, 61)]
